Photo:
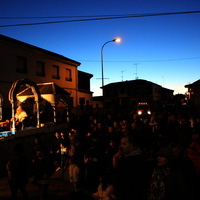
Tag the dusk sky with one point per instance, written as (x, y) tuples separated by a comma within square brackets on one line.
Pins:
[(158, 47)]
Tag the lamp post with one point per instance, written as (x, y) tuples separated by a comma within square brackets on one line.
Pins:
[(102, 72), (115, 40)]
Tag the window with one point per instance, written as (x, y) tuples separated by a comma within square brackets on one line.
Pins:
[(122, 90), (40, 68), (21, 65), (56, 72), (157, 90), (71, 102), (82, 101), (68, 75)]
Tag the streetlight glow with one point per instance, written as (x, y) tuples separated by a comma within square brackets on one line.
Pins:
[(117, 40)]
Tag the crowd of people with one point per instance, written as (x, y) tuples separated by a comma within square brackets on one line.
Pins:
[(122, 157)]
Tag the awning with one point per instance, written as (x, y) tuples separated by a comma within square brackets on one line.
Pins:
[(51, 92)]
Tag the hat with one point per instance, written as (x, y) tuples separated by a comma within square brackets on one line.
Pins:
[(166, 152)]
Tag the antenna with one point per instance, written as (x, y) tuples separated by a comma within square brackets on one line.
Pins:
[(163, 81), (122, 74), (101, 78), (136, 70)]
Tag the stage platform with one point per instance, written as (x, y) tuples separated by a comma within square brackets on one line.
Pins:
[(6, 133)]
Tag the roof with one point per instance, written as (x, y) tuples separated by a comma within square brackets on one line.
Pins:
[(17, 42), (192, 84), (137, 81), (85, 74), (45, 88)]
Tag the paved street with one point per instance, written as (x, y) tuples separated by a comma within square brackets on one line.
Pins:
[(57, 188)]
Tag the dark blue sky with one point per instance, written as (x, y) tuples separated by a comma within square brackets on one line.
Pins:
[(163, 49)]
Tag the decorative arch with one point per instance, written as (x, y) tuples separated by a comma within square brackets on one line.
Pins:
[(13, 96), (1, 106), (65, 101)]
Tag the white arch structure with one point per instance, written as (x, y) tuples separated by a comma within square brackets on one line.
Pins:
[(13, 97), (1, 106)]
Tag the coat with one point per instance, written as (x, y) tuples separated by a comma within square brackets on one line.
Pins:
[(130, 178)]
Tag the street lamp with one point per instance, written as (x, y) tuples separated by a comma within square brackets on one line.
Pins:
[(115, 40)]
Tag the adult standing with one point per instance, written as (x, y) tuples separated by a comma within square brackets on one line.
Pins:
[(55, 150), (131, 173), (17, 169), (43, 168), (194, 154), (168, 181)]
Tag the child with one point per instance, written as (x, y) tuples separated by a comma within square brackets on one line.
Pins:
[(63, 154)]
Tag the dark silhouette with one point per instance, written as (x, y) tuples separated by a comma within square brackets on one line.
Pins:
[(17, 169)]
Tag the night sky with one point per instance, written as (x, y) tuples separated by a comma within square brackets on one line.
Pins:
[(160, 38)]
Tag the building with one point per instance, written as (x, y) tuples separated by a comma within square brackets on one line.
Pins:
[(127, 94), (84, 88), (193, 95), (19, 60)]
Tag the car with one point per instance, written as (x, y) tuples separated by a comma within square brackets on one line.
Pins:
[(143, 109)]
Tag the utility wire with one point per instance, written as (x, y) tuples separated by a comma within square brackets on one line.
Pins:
[(167, 60), (56, 17), (104, 18)]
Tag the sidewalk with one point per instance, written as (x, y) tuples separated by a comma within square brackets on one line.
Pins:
[(57, 188)]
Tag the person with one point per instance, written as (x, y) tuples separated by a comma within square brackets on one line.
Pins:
[(167, 181), (64, 138), (71, 176), (184, 132), (129, 181), (153, 122), (17, 169), (55, 150), (193, 152), (110, 151), (103, 190), (38, 144), (20, 116), (171, 129), (75, 146), (43, 168), (63, 155), (185, 165), (92, 165)]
